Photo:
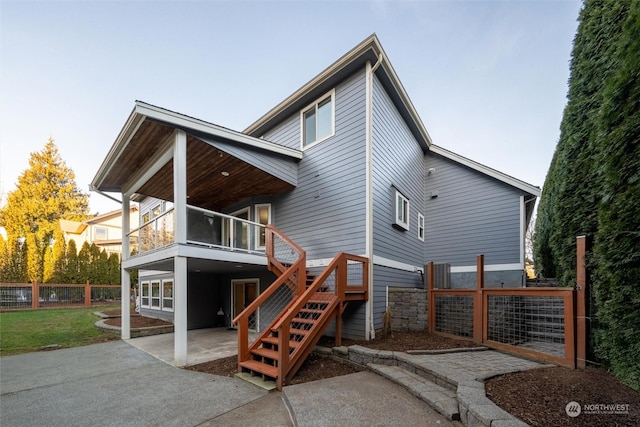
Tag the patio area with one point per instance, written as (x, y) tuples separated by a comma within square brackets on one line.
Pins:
[(203, 345)]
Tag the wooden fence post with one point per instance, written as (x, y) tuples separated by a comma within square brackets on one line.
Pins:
[(87, 294), (581, 303), (478, 301), (431, 304), (35, 295)]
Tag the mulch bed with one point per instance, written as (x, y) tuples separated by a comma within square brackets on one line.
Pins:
[(538, 396), (136, 321)]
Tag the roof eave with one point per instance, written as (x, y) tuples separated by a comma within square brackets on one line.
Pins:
[(143, 111), (133, 122), (507, 179)]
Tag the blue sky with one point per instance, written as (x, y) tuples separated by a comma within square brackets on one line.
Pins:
[(488, 78)]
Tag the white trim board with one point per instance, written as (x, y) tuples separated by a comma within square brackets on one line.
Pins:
[(487, 267)]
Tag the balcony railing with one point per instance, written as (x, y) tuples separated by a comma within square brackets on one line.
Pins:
[(204, 228)]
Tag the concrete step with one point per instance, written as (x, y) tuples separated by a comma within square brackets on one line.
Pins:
[(439, 398)]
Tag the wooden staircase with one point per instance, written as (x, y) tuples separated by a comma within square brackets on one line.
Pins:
[(311, 304)]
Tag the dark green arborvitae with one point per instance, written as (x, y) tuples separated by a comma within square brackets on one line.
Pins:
[(593, 185), (617, 240), (572, 189)]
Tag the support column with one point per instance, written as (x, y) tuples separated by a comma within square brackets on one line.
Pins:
[(180, 311), (180, 186), (125, 280), (179, 262)]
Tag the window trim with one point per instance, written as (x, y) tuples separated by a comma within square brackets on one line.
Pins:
[(420, 226), (100, 228), (331, 94), (256, 218), (404, 225), (152, 299), (145, 285), (163, 298)]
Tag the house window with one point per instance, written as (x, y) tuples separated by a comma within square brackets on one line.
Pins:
[(144, 294), (263, 216), (402, 211), (145, 218), (155, 294), (167, 295), (99, 233), (420, 226), (155, 212), (318, 120)]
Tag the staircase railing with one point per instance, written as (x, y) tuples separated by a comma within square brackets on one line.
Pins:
[(345, 274), (289, 262)]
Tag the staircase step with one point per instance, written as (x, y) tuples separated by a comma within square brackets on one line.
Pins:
[(274, 341), (311, 311), (262, 368), (439, 398), (303, 320), (265, 352)]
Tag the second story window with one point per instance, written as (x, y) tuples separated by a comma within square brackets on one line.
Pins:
[(318, 120), (402, 211)]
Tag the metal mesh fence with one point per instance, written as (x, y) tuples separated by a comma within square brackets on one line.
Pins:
[(454, 314), (15, 297), (272, 307), (355, 273), (20, 296), (533, 322), (283, 251)]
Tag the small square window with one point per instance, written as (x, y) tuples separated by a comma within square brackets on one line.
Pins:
[(318, 120), (420, 226), (402, 211), (99, 233)]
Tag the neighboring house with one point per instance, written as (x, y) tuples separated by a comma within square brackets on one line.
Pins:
[(344, 164), (104, 230)]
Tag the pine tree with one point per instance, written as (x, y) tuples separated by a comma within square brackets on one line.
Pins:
[(5, 257), (114, 276), (46, 192), (72, 269)]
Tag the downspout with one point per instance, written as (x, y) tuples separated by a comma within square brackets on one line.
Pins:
[(370, 331)]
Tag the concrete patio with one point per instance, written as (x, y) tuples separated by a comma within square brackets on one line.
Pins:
[(203, 345)]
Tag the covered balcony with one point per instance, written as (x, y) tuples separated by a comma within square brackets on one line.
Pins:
[(202, 170)]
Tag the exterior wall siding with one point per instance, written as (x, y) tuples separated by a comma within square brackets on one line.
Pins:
[(472, 214), (397, 163), (280, 167), (325, 213)]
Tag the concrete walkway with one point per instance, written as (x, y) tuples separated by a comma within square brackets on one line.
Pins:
[(117, 384), (451, 383)]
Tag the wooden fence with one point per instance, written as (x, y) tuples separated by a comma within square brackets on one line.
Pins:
[(22, 296), (544, 323)]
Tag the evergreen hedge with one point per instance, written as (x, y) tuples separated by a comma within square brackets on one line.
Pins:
[(593, 184)]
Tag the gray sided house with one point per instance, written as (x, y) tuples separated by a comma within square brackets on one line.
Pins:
[(343, 165)]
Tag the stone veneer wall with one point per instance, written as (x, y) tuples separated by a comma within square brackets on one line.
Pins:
[(408, 309)]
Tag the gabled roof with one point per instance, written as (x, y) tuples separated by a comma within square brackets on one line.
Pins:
[(73, 227), (371, 50), (108, 178)]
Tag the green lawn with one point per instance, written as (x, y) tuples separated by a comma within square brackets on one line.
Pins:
[(30, 330)]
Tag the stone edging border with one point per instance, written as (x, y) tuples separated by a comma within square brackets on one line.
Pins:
[(475, 407), (135, 332)]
